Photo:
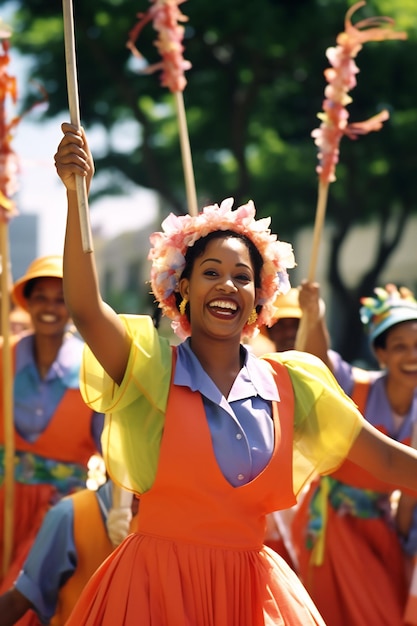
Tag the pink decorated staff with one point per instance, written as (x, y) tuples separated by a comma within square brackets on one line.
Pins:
[(8, 187), (9, 170), (341, 78), (9, 164), (74, 109), (166, 17)]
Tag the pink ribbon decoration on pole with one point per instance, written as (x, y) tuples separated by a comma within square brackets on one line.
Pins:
[(166, 15), (8, 186), (341, 78)]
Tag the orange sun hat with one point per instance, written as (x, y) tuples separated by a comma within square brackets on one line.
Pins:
[(287, 306), (43, 267)]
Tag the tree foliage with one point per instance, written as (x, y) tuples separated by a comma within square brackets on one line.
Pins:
[(253, 94)]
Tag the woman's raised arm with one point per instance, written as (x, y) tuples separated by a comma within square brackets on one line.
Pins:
[(97, 323)]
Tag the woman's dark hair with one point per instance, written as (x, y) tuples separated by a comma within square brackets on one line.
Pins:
[(195, 251), (28, 288), (381, 340)]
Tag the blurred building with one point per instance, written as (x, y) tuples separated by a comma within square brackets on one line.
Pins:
[(358, 254), (124, 270), (23, 242), (121, 246)]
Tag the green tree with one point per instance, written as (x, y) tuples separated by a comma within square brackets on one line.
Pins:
[(252, 98)]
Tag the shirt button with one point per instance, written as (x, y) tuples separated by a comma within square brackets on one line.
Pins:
[(238, 436), (240, 477), (39, 412)]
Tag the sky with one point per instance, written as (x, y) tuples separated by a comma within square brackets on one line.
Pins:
[(40, 190)]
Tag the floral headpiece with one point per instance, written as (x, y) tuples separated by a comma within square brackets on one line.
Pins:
[(390, 306), (180, 232)]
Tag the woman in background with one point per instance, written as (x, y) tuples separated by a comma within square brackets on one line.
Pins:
[(55, 433), (350, 552)]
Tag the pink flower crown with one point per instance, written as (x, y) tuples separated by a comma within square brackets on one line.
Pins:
[(168, 249)]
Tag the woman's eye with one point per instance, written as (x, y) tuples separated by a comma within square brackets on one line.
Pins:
[(37, 297)]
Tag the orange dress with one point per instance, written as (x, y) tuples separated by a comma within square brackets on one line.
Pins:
[(198, 557), (360, 578), (67, 439), (92, 547)]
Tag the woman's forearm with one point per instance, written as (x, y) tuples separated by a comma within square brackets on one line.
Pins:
[(80, 276)]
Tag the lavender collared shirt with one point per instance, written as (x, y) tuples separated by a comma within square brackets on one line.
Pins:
[(241, 426), (36, 398)]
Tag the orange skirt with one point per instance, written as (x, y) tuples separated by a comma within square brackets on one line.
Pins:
[(31, 502), (155, 581), (362, 580)]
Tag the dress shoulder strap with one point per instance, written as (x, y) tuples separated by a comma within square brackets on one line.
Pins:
[(361, 386), (282, 380)]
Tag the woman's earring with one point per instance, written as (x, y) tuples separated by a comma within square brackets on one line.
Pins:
[(183, 305), (252, 317)]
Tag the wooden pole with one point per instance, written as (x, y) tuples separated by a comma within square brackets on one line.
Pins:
[(7, 383), (318, 227), (186, 155), (323, 191), (121, 497), (73, 101)]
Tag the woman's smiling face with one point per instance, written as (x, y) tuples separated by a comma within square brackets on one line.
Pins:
[(47, 307), (400, 353), (221, 288)]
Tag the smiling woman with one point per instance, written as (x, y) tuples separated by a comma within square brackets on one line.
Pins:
[(40, 293), (356, 505), (54, 432), (220, 292), (211, 437)]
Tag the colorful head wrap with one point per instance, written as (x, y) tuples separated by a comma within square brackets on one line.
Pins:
[(390, 306), (168, 249)]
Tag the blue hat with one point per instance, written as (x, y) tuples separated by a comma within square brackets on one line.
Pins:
[(388, 308)]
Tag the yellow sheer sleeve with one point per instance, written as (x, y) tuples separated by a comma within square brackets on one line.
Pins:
[(135, 410), (326, 421)]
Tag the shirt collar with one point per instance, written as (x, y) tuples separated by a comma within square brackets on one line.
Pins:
[(255, 377), (66, 365)]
